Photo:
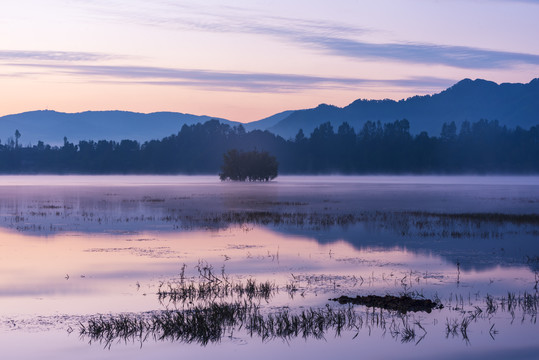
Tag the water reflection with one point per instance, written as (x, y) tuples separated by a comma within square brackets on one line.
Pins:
[(131, 248), (478, 225), (212, 323)]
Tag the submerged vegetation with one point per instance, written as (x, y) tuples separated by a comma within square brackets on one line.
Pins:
[(214, 318), (416, 219), (215, 307)]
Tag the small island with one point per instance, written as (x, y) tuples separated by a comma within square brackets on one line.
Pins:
[(248, 165)]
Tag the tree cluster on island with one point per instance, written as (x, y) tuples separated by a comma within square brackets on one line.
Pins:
[(481, 147), (248, 165)]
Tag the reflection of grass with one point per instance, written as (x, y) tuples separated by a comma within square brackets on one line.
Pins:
[(275, 213), (199, 324), (214, 320), (211, 323), (527, 303), (209, 290), (481, 217), (424, 224), (152, 200), (210, 287)]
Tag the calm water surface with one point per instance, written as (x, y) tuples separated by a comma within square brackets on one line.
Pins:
[(77, 248)]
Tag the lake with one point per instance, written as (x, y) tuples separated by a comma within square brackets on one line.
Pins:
[(113, 267)]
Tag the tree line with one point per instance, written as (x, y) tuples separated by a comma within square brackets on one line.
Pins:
[(480, 147)]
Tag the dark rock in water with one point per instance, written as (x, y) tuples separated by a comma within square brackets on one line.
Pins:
[(402, 304)]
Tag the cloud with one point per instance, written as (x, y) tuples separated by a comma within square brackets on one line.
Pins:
[(329, 37), (14, 55), (535, 2), (455, 56), (221, 18), (225, 80)]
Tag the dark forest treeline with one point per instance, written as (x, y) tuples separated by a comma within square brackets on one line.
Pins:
[(481, 147)]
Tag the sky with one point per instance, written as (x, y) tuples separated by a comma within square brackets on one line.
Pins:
[(244, 60)]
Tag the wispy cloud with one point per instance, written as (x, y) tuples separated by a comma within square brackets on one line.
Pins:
[(221, 18), (224, 80), (535, 2), (341, 40), (328, 37), (15, 55), (455, 56)]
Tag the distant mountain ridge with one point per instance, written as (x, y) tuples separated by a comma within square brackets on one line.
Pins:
[(268, 122), (472, 100), (51, 127), (511, 104)]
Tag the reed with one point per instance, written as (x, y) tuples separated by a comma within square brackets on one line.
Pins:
[(210, 287)]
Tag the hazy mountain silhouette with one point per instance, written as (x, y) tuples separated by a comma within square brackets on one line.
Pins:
[(511, 104), (51, 126), (268, 122)]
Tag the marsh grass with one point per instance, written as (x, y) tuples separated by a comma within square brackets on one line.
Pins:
[(215, 306), (198, 324), (527, 304), (215, 320), (452, 225), (209, 287), (285, 213), (210, 324)]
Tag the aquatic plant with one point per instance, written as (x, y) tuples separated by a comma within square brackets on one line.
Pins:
[(210, 323), (210, 287)]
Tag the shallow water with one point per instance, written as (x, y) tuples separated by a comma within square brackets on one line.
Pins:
[(75, 247)]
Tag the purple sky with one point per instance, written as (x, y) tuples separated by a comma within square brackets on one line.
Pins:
[(245, 60)]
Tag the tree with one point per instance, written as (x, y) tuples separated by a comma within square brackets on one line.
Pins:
[(17, 136), (300, 136), (449, 132), (250, 165)]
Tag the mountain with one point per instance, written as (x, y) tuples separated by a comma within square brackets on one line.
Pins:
[(511, 104), (268, 122), (51, 126)]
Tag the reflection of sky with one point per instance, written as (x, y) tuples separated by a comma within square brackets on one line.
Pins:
[(49, 205), (109, 266), (111, 237), (60, 346), (32, 284)]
